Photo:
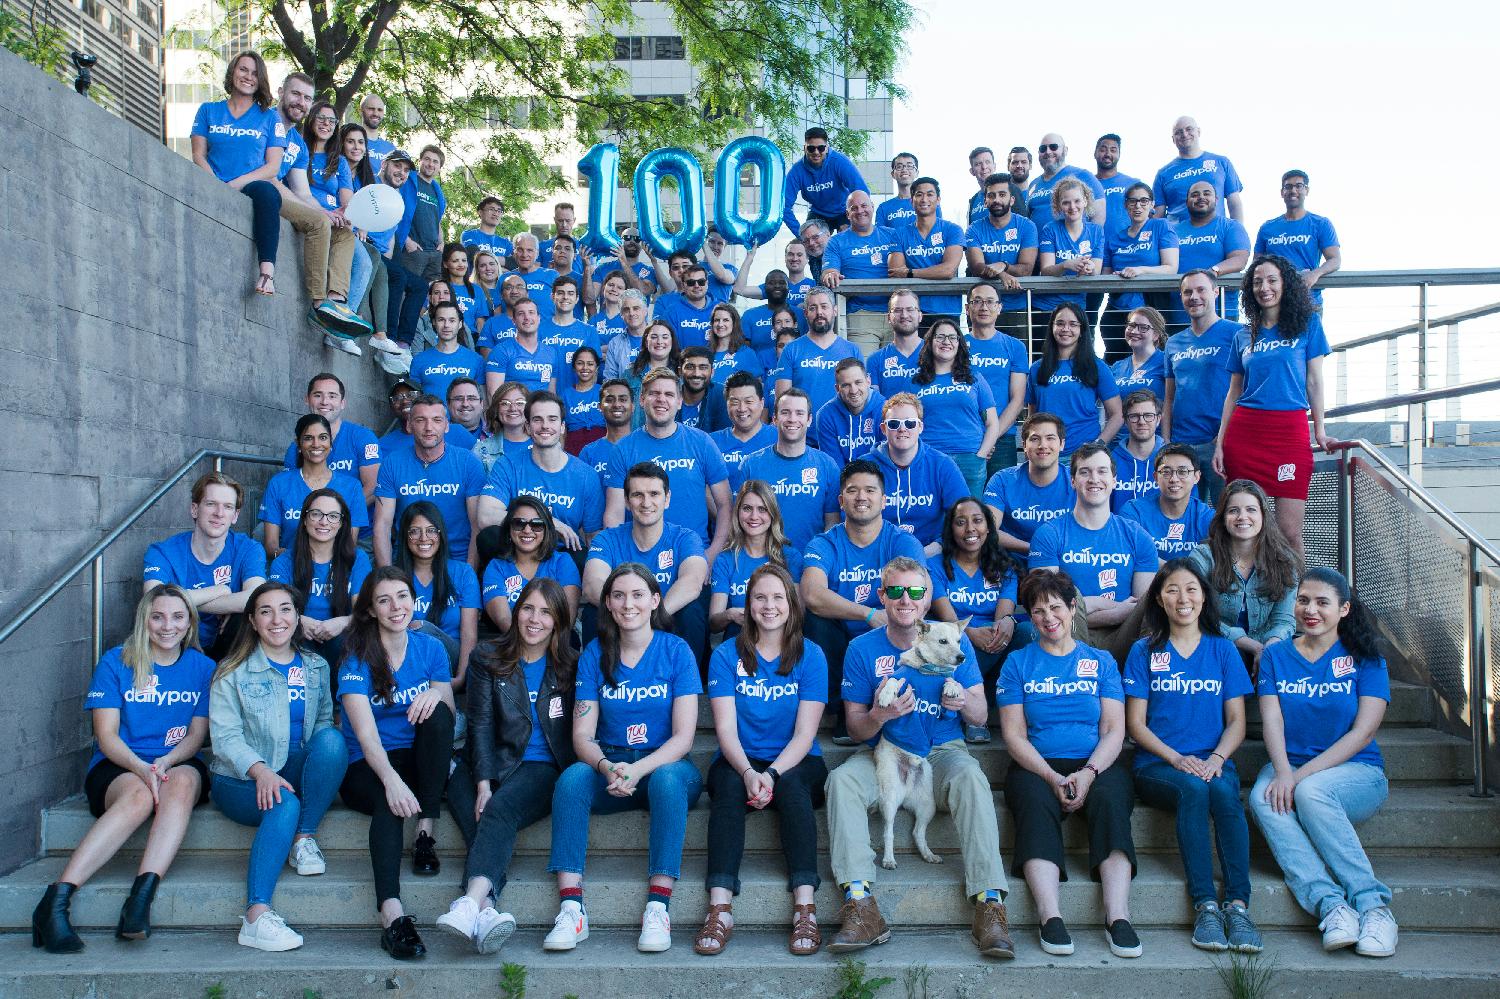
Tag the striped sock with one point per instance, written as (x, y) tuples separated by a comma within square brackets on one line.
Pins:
[(660, 893), (988, 895), (856, 890), (574, 895)]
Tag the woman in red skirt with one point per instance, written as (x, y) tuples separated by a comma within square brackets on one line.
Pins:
[(1275, 377)]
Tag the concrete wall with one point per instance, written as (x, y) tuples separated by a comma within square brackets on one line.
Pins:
[(132, 340)]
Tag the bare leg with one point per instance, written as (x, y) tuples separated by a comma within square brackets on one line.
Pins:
[(390, 911), (1289, 515), (177, 798), (1114, 872), (1042, 880), (127, 804)]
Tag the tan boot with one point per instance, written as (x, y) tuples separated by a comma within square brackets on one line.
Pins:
[(992, 930), (862, 926)]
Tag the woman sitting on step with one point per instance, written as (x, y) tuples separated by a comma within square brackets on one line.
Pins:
[(633, 724), (397, 698), (520, 708), (768, 688), (149, 699), (277, 758), (1322, 698)]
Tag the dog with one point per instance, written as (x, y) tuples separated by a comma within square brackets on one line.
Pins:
[(902, 778)]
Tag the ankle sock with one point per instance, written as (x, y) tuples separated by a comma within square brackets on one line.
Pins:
[(856, 890), (574, 895), (660, 893), (988, 895)]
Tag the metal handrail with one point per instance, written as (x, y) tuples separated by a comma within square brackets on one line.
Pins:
[(1475, 612), (1110, 282), (94, 557), (1453, 319), (1415, 398)]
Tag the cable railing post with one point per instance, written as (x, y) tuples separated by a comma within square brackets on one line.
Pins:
[(1478, 642), (96, 616), (1416, 414), (218, 464), (1346, 515)]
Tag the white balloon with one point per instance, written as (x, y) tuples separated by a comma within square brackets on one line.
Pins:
[(375, 208)]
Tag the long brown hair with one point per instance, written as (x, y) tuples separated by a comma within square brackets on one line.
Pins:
[(262, 94), (246, 640), (791, 635), (609, 631), (502, 657), (776, 540), (362, 640), (1276, 562), (136, 650)]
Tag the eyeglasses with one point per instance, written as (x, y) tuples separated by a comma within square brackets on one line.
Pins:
[(816, 149), (945, 338), (1294, 187), (1138, 201), (894, 592), (414, 533), (901, 424), (695, 282), (984, 303), (1141, 417), (1049, 147), (1141, 327), (1175, 473), (528, 525), (326, 119), (325, 516)]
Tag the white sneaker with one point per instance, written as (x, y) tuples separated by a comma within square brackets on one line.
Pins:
[(306, 859), (1377, 933), (270, 932), (1341, 928), (394, 364), (570, 926), (460, 917), (656, 929), (339, 343), (492, 930), (385, 345)]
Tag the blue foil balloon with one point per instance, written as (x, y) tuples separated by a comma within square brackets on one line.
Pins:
[(601, 165), (765, 156), (682, 166)]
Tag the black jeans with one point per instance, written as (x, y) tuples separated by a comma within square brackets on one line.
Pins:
[(424, 768), (833, 638), (525, 797), (797, 793)]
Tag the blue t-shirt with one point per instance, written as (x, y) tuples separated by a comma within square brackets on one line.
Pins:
[(735, 451), (288, 490), (377, 150), (537, 750), (155, 718), (1173, 538), (1056, 240), (1301, 241), (596, 454), (572, 493), (503, 579), (1025, 506), (354, 447), (455, 437), (756, 323), (954, 413), (532, 368), (971, 595), (892, 371), (733, 569), (326, 188), (538, 287), (1319, 700), (636, 712), (918, 496), (1103, 563), (1077, 404), (689, 321), (893, 212), (294, 157), (1061, 696), (1275, 367), (1173, 181), (463, 594), (856, 256), (295, 675), (494, 242), (497, 325), (766, 703), (319, 590), (872, 658), (1122, 250), (806, 488), (172, 561), (1039, 197), (854, 572), (692, 462), (566, 340), (616, 545), (1134, 477), (1151, 376), (796, 297), (826, 187), (581, 407), (237, 146), (845, 436), (448, 483), (811, 368), (744, 359), (433, 371), (996, 359), (1185, 695), (1200, 367), (1003, 245), (1207, 245), (927, 251), (425, 664), (1114, 197)]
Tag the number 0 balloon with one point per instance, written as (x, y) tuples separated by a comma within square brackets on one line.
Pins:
[(765, 156), (682, 166)]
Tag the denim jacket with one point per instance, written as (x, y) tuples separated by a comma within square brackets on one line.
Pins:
[(1268, 618), (249, 719)]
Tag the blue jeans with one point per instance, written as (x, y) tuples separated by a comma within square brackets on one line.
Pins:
[(315, 770), (361, 270), (1162, 786), (407, 294), (1210, 483), (972, 467), (668, 792), (1003, 457), (1315, 844), (265, 218)]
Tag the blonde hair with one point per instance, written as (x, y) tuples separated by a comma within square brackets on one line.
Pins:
[(1069, 184), (776, 540), (136, 651), (901, 399)]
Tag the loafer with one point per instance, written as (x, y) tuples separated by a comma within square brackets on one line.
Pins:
[(1123, 941), (400, 940), (424, 858)]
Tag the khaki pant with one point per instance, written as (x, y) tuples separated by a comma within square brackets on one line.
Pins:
[(868, 331), (958, 786), (326, 251)]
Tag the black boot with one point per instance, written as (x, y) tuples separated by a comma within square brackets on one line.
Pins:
[(49, 921), (135, 914)]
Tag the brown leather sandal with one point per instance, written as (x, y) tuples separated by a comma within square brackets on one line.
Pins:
[(806, 938), (714, 931)]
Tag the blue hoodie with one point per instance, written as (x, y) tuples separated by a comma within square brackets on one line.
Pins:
[(845, 437), (919, 495)]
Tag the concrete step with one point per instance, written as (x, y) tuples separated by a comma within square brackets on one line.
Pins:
[(207, 891), (1412, 819), (349, 964)]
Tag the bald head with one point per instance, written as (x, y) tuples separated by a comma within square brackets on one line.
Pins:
[(861, 212), (1052, 154), (1185, 134)]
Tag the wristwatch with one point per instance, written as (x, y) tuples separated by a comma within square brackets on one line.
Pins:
[(773, 773)]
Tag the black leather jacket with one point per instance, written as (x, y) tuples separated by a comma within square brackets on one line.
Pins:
[(499, 712)]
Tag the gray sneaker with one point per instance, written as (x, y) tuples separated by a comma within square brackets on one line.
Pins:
[(1208, 928), (1244, 938)]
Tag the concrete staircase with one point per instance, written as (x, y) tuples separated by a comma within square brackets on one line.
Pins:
[(1438, 847)]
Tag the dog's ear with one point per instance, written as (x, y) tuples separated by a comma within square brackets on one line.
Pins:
[(963, 625), (923, 627)]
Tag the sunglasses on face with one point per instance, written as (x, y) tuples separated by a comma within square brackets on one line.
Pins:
[(816, 149), (901, 424), (696, 282), (894, 592), (1049, 147), (528, 525)]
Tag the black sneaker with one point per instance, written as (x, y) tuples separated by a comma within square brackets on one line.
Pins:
[(400, 940), (424, 858), (1122, 938), (1055, 938)]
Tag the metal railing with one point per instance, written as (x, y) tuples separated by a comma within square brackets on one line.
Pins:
[(1415, 404), (93, 559), (1430, 581)]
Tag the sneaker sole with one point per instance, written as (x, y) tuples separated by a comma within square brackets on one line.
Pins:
[(652, 948), (348, 329), (495, 939), (311, 873), (1056, 950), (1374, 953), (844, 948), (556, 946), (1339, 944), (1212, 946), (1119, 951), (269, 948), (1247, 948), (453, 928)]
